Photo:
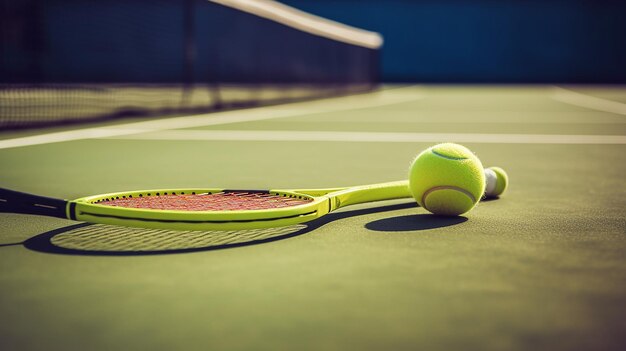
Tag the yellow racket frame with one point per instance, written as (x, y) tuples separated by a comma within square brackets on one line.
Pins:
[(322, 202)]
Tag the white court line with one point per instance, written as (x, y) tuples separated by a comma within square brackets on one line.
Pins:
[(276, 135), (376, 99), (587, 101)]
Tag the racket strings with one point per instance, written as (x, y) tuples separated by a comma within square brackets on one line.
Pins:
[(222, 201)]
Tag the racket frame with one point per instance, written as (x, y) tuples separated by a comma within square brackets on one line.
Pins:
[(322, 201)]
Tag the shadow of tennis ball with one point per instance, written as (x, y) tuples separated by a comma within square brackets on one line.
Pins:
[(408, 223)]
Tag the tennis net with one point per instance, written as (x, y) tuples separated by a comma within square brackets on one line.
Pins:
[(73, 61)]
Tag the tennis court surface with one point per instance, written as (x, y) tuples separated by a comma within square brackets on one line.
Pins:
[(542, 267)]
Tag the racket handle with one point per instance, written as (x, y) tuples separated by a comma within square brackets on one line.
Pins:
[(18, 202)]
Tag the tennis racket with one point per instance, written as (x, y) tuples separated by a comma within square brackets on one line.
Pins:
[(203, 209)]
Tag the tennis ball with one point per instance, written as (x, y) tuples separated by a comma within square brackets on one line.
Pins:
[(447, 179), (496, 181)]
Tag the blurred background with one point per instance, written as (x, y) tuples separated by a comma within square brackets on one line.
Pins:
[(75, 60), (490, 41)]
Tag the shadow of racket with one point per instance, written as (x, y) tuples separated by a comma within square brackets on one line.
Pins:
[(110, 240)]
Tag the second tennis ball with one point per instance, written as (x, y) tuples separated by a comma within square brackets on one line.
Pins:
[(447, 179), (497, 182)]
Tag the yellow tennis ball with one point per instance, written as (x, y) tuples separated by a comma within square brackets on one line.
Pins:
[(447, 179)]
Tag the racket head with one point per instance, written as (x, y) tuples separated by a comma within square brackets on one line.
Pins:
[(293, 207)]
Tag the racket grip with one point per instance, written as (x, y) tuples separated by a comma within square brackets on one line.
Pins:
[(18, 202)]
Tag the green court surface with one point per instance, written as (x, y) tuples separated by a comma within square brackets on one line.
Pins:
[(541, 268)]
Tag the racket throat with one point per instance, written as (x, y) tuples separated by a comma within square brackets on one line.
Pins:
[(333, 204), (370, 193)]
